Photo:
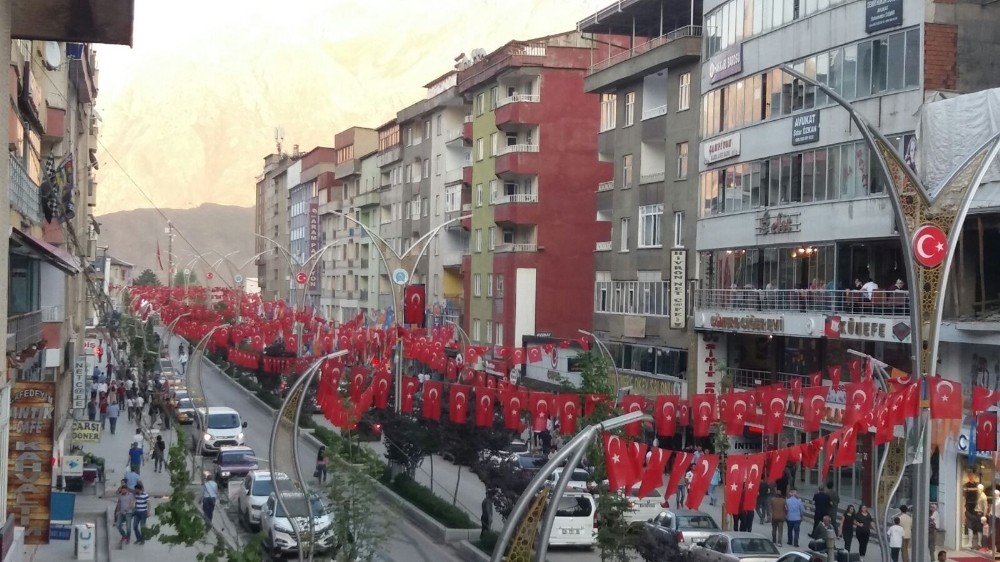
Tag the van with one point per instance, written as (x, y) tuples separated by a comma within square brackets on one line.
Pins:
[(218, 426), (575, 523)]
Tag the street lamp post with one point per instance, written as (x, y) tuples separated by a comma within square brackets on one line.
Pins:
[(919, 213), (607, 354)]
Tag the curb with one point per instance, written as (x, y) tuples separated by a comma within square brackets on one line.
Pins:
[(470, 551)]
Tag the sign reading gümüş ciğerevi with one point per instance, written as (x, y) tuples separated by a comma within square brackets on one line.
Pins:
[(883, 14), (805, 128)]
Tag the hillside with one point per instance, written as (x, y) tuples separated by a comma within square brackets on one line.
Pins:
[(132, 236)]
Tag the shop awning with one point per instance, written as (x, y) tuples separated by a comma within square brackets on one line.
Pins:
[(40, 249)]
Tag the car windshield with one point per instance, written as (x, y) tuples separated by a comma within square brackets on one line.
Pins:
[(264, 486), (185, 403), (236, 457), (223, 421), (531, 462), (752, 546), (652, 494), (696, 522), (297, 507), (574, 506)]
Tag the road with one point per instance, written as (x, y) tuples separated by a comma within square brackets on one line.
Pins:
[(407, 543)]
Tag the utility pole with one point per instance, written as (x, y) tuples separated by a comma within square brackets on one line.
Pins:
[(170, 254)]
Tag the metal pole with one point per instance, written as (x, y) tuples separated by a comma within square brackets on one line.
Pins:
[(557, 493), (607, 353)]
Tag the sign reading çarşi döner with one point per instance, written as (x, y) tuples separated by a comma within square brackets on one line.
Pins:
[(805, 128), (883, 14)]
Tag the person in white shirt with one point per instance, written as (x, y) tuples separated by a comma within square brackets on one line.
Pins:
[(895, 535), (128, 384), (140, 402), (130, 408), (102, 387), (906, 522), (869, 288)]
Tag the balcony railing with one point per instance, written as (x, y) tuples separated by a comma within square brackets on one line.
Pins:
[(654, 112), (518, 98), (25, 196), (652, 178), (749, 378), (53, 314), (453, 134), (24, 330), (515, 198), (509, 149), (879, 303), (603, 246), (507, 248), (686, 31), (606, 186), (466, 207), (467, 119)]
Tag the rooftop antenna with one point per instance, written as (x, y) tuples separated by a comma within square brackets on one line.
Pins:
[(279, 135)]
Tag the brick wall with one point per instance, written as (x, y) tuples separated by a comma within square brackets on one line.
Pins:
[(940, 54)]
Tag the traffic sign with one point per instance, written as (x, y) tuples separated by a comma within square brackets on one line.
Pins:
[(237, 279), (301, 277), (930, 246)]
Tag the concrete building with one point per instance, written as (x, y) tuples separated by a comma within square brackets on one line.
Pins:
[(532, 177), (646, 70), (274, 269), (794, 213), (302, 212), (318, 171), (389, 160)]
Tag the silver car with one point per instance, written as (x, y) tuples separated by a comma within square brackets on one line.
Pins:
[(734, 547), (687, 526), (256, 487)]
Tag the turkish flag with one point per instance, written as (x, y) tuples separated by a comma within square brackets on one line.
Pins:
[(884, 422), (983, 399), (382, 383), (755, 468), (679, 466), (358, 376), (796, 388), (986, 432), (636, 457), (534, 354), (633, 403), (652, 477), (541, 410), (736, 411), (810, 452), (591, 401), (847, 450), (773, 410), (413, 304), (813, 406), (410, 385), (860, 398), (432, 399), (702, 477), (835, 375), (946, 398), (816, 379), (514, 402), (703, 414), (736, 476), (665, 415), (854, 368), (568, 406), (458, 403), (683, 413), (910, 405), (776, 464), (795, 453), (484, 406), (617, 460)]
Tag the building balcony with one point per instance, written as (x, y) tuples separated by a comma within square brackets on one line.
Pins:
[(606, 186), (679, 46), (518, 159), (519, 208), (654, 112), (515, 198), (23, 330), (750, 378), (515, 248), (347, 168), (806, 313), (388, 156), (451, 259), (455, 136), (654, 177), (603, 246), (25, 196), (368, 199), (519, 108), (55, 314), (452, 177), (467, 128)]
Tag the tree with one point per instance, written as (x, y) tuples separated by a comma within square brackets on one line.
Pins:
[(182, 280), (361, 524), (147, 277), (720, 440), (407, 441)]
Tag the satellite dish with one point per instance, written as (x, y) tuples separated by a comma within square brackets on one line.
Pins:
[(53, 55)]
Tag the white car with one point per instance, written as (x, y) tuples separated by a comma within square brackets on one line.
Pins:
[(219, 426), (279, 535), (256, 487), (575, 523), (580, 481), (645, 508)]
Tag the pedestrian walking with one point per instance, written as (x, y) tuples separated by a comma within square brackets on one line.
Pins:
[(159, 454), (140, 511), (140, 404), (129, 408), (834, 503), (778, 516), (933, 524), (847, 527), (906, 522), (864, 524), (123, 510), (96, 376), (486, 519), (683, 485), (92, 408), (713, 484), (821, 508), (793, 516), (321, 461), (131, 479), (764, 501), (895, 535), (135, 457), (102, 387), (120, 392), (104, 411), (209, 493), (113, 416)]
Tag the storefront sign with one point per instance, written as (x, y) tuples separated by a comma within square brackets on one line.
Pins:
[(745, 445), (726, 63), (86, 431), (496, 367), (721, 148), (314, 244), (749, 323), (711, 354), (866, 328), (90, 346), (805, 128), (29, 469), (80, 383), (778, 223), (678, 289), (883, 14)]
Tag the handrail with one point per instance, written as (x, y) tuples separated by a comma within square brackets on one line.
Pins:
[(685, 31)]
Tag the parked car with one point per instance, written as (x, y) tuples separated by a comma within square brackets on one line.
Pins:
[(685, 526), (734, 547), (276, 524), (516, 447), (575, 523), (234, 462), (184, 411), (257, 486), (580, 481), (644, 508)]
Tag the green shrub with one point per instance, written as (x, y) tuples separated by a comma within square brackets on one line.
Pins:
[(268, 398), (487, 542), (439, 509)]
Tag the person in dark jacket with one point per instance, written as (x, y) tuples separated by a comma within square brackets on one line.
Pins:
[(487, 517)]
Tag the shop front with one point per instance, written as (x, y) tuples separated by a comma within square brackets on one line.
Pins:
[(973, 502)]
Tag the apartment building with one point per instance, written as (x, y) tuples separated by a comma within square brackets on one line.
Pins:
[(317, 176), (274, 268), (647, 73), (794, 212), (303, 241), (392, 199), (532, 179)]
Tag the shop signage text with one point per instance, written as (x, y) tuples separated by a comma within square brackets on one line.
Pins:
[(89, 431), (864, 328), (883, 14), (30, 458), (678, 294), (314, 244), (779, 223), (722, 148), (726, 63), (749, 323), (805, 128), (709, 343), (80, 383)]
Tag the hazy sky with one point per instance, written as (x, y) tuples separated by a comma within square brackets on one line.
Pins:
[(190, 110)]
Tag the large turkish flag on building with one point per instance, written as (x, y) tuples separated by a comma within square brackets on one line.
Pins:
[(414, 304)]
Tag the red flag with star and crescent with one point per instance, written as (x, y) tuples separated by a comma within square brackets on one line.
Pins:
[(860, 400), (484, 406), (633, 403), (514, 402), (382, 383), (776, 464), (413, 306), (590, 403), (773, 410), (983, 399), (946, 398), (458, 403), (847, 450), (813, 406), (432, 400), (665, 415), (736, 411), (735, 477), (755, 468), (541, 410), (702, 414), (617, 460), (986, 432), (652, 477), (569, 410), (703, 472), (410, 385), (679, 466)]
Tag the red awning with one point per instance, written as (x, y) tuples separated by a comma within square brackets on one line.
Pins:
[(44, 251)]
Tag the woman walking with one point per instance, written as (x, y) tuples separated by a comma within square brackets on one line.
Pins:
[(847, 527), (159, 452), (863, 527), (320, 473)]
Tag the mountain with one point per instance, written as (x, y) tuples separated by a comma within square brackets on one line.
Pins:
[(214, 230), (189, 113)]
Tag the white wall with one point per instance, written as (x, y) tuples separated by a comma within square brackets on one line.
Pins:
[(524, 311)]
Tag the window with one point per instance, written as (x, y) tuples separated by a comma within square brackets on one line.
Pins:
[(425, 203), (408, 172), (479, 195), (682, 160), (684, 90), (499, 334), (437, 165), (508, 236), (479, 240), (479, 148), (477, 289), (415, 209), (493, 237), (426, 168), (493, 192), (678, 229), (475, 330), (494, 96), (489, 285), (623, 234), (499, 291), (427, 129), (629, 109), (608, 111), (438, 123), (480, 103), (626, 171), (409, 136), (494, 148), (650, 217)]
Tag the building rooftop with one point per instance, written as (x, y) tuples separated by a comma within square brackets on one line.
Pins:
[(646, 18)]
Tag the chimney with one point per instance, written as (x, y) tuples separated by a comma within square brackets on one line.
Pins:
[(295, 150)]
